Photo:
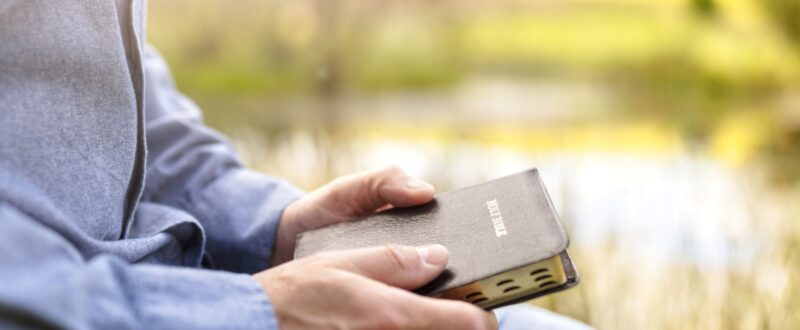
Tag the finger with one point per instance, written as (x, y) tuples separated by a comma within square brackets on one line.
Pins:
[(450, 314), (431, 313), (364, 193), (404, 267)]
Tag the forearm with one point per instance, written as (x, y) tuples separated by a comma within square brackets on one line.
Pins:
[(49, 285), (193, 168)]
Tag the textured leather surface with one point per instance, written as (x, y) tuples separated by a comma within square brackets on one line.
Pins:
[(461, 221)]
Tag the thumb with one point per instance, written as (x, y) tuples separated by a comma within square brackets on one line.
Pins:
[(363, 193), (404, 267)]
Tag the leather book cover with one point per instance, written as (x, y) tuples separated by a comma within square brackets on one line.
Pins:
[(505, 240)]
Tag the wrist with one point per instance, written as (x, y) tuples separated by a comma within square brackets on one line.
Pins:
[(283, 249)]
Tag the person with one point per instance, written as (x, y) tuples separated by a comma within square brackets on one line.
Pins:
[(120, 209)]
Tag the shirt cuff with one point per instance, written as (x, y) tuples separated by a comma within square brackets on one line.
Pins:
[(205, 299), (241, 212)]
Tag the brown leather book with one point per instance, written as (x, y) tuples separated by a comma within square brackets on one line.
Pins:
[(505, 240)]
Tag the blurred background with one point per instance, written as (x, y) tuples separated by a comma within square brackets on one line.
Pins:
[(667, 131)]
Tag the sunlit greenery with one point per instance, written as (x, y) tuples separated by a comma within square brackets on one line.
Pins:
[(689, 62), (460, 91)]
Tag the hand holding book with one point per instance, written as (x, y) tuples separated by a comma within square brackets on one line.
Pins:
[(345, 199), (506, 243)]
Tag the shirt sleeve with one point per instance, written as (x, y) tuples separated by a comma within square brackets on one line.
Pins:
[(48, 285), (193, 168)]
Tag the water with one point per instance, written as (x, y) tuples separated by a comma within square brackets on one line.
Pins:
[(661, 207), (663, 232), (634, 185)]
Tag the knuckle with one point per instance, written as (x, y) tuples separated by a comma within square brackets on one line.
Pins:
[(372, 183), (470, 317), (392, 170), (401, 257), (475, 319), (339, 181), (389, 173)]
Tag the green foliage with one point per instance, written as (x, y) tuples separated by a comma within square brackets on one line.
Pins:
[(686, 62), (423, 50), (705, 7), (787, 15)]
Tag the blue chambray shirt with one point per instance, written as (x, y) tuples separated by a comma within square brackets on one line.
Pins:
[(118, 208)]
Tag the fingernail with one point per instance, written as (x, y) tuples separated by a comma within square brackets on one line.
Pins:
[(434, 254), (416, 184)]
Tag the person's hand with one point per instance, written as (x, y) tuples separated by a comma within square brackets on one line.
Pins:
[(366, 289), (345, 199)]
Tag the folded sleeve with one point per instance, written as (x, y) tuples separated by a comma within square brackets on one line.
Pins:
[(48, 285), (193, 168)]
